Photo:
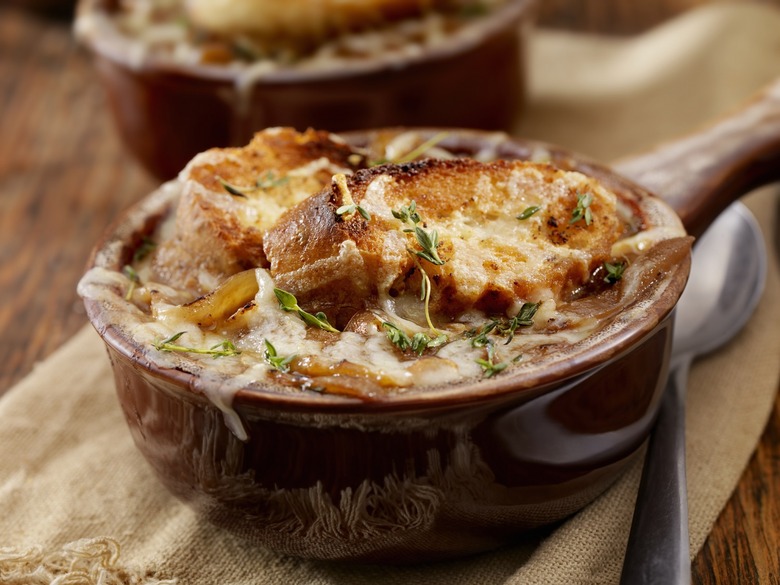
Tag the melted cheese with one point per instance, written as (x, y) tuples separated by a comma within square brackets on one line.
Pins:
[(484, 245)]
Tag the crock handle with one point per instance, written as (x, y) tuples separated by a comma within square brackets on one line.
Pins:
[(701, 174)]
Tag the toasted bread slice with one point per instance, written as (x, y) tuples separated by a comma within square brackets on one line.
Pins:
[(231, 196), (471, 229)]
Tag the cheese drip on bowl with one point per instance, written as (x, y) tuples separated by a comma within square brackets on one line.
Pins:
[(301, 263)]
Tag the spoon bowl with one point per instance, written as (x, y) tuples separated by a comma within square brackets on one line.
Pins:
[(725, 284)]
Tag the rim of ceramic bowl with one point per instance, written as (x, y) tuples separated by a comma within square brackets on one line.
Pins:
[(105, 41), (636, 322)]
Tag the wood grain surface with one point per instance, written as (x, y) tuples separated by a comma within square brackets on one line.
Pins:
[(64, 176)]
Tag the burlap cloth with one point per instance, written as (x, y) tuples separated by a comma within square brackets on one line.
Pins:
[(69, 470)]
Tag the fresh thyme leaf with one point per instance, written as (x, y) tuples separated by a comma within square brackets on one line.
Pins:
[(232, 189), (524, 318), (222, 349), (489, 367), (288, 302), (614, 272), (408, 213), (348, 206), (418, 343), (277, 362), (479, 337), (270, 180), (172, 339), (528, 212), (350, 209), (428, 241), (415, 152), (582, 211), (146, 247), (397, 336), (263, 182), (130, 273)]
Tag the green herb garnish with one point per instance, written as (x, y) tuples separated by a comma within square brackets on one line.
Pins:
[(288, 302), (614, 272), (503, 327), (146, 247), (277, 362), (524, 318), (414, 153), (350, 209), (222, 349), (428, 241), (582, 211), (528, 212), (267, 181), (348, 206), (131, 274), (489, 367), (479, 337), (408, 213), (418, 343)]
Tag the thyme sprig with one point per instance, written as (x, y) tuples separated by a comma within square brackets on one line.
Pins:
[(135, 280), (146, 248), (264, 182), (408, 213), (614, 272), (524, 318), (277, 362), (348, 207), (288, 303), (418, 343), (223, 349), (489, 367), (582, 210), (415, 152), (528, 212), (428, 240), (503, 327)]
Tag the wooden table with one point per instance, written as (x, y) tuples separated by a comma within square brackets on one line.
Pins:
[(64, 176)]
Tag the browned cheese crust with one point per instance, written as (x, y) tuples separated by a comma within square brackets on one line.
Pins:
[(231, 196), (492, 260)]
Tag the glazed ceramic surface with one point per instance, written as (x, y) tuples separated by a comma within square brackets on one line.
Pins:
[(411, 477), (167, 113)]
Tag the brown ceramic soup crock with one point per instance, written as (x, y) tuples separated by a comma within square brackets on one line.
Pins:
[(167, 112), (457, 470)]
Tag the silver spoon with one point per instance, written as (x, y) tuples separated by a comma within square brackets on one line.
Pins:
[(725, 284)]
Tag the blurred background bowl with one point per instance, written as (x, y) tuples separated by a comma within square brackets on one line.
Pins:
[(168, 111)]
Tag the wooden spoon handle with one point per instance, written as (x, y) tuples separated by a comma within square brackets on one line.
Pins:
[(701, 174)]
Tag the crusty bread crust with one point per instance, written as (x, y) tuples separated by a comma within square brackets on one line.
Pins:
[(491, 259), (218, 232)]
